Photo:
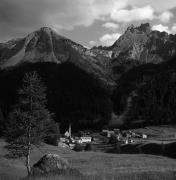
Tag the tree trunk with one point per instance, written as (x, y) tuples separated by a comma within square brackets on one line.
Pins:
[(29, 142), (28, 161)]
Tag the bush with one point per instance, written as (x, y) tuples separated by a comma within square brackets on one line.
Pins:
[(118, 148), (78, 147), (151, 148), (113, 139), (170, 150), (88, 147)]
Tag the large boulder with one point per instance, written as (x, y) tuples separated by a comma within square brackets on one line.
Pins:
[(52, 163)]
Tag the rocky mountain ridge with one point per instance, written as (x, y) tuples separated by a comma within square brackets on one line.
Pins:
[(142, 44), (88, 85)]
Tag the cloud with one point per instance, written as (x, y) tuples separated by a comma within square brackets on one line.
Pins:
[(111, 25), (173, 29), (109, 39), (166, 16), (157, 5), (135, 14), (19, 17), (22, 16), (93, 43), (161, 28)]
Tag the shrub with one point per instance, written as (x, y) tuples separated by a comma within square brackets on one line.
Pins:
[(78, 147), (88, 147), (113, 139)]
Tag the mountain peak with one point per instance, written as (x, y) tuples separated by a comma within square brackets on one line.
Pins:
[(145, 28), (131, 28), (48, 31), (45, 28)]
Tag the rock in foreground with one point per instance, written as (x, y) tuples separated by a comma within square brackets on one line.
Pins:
[(53, 164)]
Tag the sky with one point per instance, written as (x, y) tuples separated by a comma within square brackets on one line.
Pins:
[(88, 22)]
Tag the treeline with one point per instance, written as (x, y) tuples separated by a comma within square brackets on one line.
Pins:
[(73, 95)]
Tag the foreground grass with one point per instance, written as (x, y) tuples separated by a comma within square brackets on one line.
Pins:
[(95, 165), (128, 176)]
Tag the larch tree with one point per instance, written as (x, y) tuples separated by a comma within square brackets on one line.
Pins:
[(30, 122)]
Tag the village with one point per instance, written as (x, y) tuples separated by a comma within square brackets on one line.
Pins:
[(105, 138)]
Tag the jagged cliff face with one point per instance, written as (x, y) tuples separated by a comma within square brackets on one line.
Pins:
[(143, 45)]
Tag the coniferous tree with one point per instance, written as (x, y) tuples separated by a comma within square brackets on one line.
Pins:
[(30, 122)]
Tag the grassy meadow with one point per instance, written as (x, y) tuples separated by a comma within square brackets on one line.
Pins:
[(94, 165)]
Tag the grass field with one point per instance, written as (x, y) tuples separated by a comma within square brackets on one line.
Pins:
[(96, 165)]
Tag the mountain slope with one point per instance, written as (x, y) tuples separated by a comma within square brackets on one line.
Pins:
[(45, 45)]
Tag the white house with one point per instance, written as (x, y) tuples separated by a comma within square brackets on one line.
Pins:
[(144, 136), (85, 139)]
